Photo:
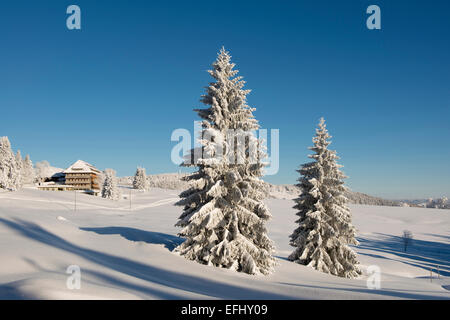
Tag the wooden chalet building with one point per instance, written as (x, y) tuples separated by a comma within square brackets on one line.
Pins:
[(82, 176)]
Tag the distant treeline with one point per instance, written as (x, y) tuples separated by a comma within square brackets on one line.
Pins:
[(292, 191), (174, 181)]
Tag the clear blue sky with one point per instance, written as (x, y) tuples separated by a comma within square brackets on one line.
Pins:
[(112, 93)]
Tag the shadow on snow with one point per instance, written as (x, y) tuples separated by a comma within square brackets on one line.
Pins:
[(132, 234), (146, 272), (420, 253), (403, 294)]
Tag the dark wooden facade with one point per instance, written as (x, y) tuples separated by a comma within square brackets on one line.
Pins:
[(82, 176), (82, 180)]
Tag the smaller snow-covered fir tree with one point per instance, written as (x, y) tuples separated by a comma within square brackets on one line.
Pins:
[(9, 170), (325, 231), (28, 172), (110, 189), (140, 181)]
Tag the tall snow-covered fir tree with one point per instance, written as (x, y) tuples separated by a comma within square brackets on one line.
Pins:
[(224, 215), (110, 189), (28, 172), (140, 180), (325, 230), (9, 170)]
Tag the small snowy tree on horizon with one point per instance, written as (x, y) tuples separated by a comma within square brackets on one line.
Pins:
[(28, 172), (9, 170), (224, 214), (140, 180), (19, 164), (110, 188), (325, 230)]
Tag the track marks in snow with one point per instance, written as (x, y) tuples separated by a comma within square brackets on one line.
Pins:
[(155, 204), (70, 205)]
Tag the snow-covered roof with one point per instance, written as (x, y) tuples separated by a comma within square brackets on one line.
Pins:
[(81, 167)]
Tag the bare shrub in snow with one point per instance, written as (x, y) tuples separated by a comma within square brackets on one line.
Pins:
[(407, 239)]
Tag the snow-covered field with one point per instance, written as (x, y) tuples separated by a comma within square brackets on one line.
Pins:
[(126, 253)]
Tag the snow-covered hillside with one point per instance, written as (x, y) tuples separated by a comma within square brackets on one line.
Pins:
[(126, 253)]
